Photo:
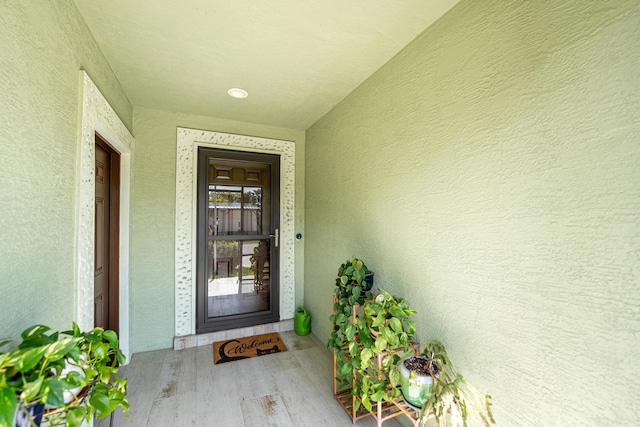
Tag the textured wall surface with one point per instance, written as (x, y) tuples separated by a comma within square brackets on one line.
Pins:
[(43, 46), (490, 173), (153, 217)]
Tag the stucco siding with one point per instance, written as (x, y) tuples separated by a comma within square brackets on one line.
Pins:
[(43, 45), (490, 173)]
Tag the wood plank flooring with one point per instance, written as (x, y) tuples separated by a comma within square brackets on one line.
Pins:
[(169, 388)]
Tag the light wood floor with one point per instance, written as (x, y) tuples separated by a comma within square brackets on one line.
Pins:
[(184, 388)]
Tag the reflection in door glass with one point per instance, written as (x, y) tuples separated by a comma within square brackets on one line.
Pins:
[(225, 209), (238, 277), (252, 210), (236, 210)]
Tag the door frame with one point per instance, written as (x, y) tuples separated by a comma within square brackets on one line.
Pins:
[(99, 117), (188, 142), (114, 233), (204, 324)]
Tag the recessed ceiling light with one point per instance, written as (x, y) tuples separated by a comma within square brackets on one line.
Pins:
[(236, 92)]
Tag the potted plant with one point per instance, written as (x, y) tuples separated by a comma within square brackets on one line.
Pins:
[(416, 380), (347, 293), (381, 328), (355, 273), (430, 382), (72, 374), (385, 330)]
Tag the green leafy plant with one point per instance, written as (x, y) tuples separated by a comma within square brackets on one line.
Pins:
[(347, 294), (351, 275), (381, 327), (452, 401), (74, 373)]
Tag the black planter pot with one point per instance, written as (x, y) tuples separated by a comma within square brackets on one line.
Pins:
[(367, 283)]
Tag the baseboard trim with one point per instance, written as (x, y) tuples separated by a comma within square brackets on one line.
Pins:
[(188, 341)]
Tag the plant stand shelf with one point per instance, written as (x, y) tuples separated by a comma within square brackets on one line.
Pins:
[(407, 410), (347, 400), (381, 411)]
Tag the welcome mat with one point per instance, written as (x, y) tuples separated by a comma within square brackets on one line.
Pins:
[(244, 348)]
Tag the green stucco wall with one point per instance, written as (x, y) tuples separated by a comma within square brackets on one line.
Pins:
[(43, 47), (490, 173), (153, 217)]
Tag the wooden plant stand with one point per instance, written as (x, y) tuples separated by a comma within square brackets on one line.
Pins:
[(381, 411)]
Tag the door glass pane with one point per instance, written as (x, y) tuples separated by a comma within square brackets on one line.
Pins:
[(252, 210), (238, 277), (224, 210)]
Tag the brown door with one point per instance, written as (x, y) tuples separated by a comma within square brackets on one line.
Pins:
[(105, 290), (238, 239)]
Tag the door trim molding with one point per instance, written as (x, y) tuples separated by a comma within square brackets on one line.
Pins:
[(188, 141), (99, 117)]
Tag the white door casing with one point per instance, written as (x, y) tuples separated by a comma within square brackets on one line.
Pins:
[(99, 117), (188, 141)]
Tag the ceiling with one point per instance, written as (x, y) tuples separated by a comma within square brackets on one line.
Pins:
[(297, 59)]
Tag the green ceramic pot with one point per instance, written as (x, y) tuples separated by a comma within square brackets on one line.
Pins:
[(415, 389)]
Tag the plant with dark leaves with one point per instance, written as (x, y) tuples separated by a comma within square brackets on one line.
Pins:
[(347, 294)]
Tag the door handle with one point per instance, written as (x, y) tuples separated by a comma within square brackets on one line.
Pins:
[(275, 235)]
